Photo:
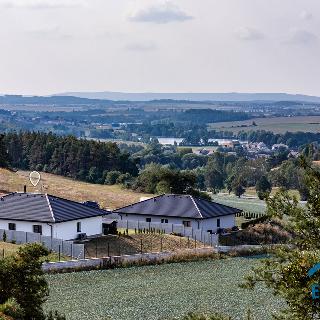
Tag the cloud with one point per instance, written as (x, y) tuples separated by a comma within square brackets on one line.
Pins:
[(164, 12), (249, 34), (305, 15), (42, 4), (139, 46), (300, 36)]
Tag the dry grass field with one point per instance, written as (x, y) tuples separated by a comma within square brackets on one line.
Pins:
[(276, 125), (137, 243), (110, 197)]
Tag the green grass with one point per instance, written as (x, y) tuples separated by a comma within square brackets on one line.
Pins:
[(277, 125), (160, 292), (252, 205)]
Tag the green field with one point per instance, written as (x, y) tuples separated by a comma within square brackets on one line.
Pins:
[(245, 204), (277, 125), (160, 292)]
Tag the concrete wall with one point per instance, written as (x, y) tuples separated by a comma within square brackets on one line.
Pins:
[(90, 264)]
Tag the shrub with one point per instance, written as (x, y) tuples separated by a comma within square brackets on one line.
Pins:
[(12, 309)]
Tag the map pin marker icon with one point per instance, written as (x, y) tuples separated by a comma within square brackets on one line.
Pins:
[(34, 178)]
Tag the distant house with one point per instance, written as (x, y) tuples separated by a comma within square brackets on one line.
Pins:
[(230, 144), (279, 146), (49, 215), (181, 209)]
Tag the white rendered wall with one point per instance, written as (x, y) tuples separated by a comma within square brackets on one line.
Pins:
[(204, 224), (68, 230), (26, 226), (63, 230)]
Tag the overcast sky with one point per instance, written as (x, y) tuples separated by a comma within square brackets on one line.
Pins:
[(50, 46)]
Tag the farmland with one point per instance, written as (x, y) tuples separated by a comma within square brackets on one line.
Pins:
[(276, 125), (160, 292)]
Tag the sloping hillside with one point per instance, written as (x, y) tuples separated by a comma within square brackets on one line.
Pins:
[(108, 196)]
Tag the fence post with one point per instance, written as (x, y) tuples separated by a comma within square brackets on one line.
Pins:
[(161, 244), (195, 242), (141, 246), (96, 242), (59, 253), (188, 242), (71, 251), (108, 249)]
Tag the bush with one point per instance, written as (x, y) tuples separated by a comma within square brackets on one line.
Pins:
[(12, 309), (111, 177)]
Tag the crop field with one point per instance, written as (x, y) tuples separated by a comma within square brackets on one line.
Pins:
[(160, 292), (276, 125)]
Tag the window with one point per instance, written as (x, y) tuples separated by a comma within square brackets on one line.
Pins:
[(78, 226), (37, 228), (186, 223), (164, 220), (218, 223), (148, 219), (12, 226)]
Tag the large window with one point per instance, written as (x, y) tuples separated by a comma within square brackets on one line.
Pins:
[(187, 223), (37, 228), (12, 226), (164, 220), (78, 226)]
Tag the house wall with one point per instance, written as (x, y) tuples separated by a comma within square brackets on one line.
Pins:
[(26, 226), (68, 230), (204, 224), (63, 230)]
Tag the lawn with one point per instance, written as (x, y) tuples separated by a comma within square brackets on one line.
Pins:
[(160, 292), (277, 125), (245, 204), (110, 197)]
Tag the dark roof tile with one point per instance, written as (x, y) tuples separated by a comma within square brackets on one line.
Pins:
[(44, 208)]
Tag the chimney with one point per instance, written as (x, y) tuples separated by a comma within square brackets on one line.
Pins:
[(25, 189)]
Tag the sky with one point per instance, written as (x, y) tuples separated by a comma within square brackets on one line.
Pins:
[(51, 46)]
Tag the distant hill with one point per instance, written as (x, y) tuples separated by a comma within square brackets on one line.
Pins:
[(118, 96), (53, 100)]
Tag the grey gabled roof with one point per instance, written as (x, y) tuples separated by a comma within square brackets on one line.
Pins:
[(44, 208), (184, 206)]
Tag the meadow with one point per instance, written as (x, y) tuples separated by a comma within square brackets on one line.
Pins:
[(161, 292), (251, 204), (276, 125), (109, 197)]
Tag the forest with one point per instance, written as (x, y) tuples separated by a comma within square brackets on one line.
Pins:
[(154, 168)]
